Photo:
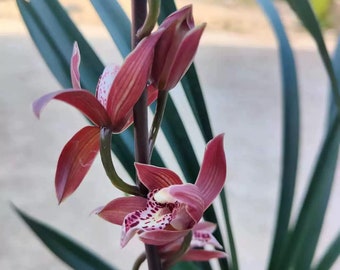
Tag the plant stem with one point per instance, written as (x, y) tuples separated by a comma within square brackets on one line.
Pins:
[(139, 11), (157, 120), (105, 154)]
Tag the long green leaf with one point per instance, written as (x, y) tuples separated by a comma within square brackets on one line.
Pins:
[(305, 12), (65, 248), (290, 130), (110, 10), (305, 259), (336, 65), (330, 256), (232, 246), (301, 246)]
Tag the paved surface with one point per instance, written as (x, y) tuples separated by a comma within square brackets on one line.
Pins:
[(240, 77)]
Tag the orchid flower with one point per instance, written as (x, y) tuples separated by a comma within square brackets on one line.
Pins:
[(117, 91), (176, 48), (172, 208)]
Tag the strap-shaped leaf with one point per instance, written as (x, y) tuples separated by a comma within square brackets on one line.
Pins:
[(290, 129), (304, 11), (300, 248), (72, 253), (109, 10), (330, 256), (336, 65)]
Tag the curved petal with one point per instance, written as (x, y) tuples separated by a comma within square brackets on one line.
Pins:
[(130, 81), (213, 171), (205, 226), (184, 56), (116, 210), (75, 160), (161, 237), (187, 194), (80, 99), (203, 255), (75, 61), (105, 82), (154, 177)]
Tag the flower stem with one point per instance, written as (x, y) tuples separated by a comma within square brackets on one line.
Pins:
[(151, 19), (141, 258), (139, 11), (161, 103), (105, 154)]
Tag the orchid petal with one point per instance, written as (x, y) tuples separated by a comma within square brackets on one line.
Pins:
[(202, 238), (205, 226), (154, 177), (185, 13), (105, 82), (186, 194), (203, 255), (116, 210), (78, 98), (161, 237), (184, 56), (130, 81), (75, 160), (213, 171), (75, 61)]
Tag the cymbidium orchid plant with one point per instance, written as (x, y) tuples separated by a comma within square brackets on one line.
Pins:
[(173, 217), (170, 213)]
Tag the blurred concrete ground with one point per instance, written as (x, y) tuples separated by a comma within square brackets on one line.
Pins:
[(239, 72)]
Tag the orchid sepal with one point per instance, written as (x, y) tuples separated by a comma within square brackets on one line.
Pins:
[(75, 160)]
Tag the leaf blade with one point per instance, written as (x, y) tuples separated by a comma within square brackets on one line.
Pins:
[(291, 125), (65, 248), (301, 246)]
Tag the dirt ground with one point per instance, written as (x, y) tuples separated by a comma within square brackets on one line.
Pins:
[(239, 70)]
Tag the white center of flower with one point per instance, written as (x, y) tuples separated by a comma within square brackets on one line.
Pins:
[(163, 196)]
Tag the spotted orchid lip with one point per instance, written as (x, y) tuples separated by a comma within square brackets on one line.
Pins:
[(170, 202)]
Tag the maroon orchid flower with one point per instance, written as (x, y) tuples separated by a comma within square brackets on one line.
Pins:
[(176, 48), (117, 91), (172, 209)]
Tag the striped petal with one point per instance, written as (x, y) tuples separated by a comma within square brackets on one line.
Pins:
[(203, 255), (75, 160), (130, 81), (184, 56), (161, 237), (116, 210), (81, 99), (154, 177), (213, 171)]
